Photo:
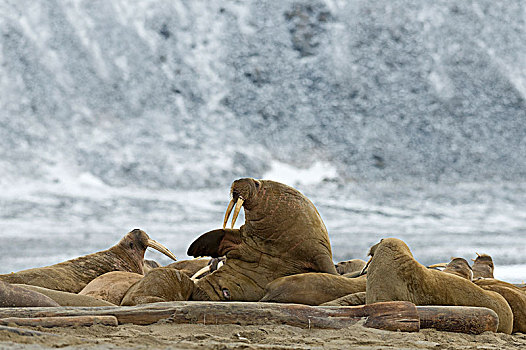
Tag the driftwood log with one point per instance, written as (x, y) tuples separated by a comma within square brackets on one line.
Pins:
[(461, 319), (395, 315), (63, 321)]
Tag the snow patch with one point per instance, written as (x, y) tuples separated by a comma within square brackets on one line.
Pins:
[(293, 176)]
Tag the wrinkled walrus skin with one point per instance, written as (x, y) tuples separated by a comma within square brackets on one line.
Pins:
[(15, 296), (394, 275), (283, 235), (112, 286), (73, 275), (159, 285), (312, 288)]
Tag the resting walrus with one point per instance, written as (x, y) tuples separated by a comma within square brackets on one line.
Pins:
[(457, 266), (482, 266), (515, 297), (112, 286), (393, 274), (283, 235), (312, 288), (73, 275), (15, 296)]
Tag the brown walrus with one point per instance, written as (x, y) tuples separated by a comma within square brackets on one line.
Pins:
[(190, 267), (148, 265), (312, 288), (283, 235), (394, 275), (482, 266), (160, 284), (73, 275), (112, 286), (65, 298), (15, 296), (457, 266), (350, 266), (515, 297)]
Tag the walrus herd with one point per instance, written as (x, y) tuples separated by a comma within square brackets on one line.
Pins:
[(281, 253)]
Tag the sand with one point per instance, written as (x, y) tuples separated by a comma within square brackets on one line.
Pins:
[(163, 335)]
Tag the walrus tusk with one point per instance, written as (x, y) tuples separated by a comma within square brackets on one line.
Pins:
[(200, 273), (438, 265), (228, 211), (364, 270), (239, 204), (159, 247)]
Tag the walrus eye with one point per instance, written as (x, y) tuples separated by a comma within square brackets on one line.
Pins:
[(257, 185), (131, 245)]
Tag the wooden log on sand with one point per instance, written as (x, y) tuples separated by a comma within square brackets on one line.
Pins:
[(63, 321), (460, 319), (395, 315)]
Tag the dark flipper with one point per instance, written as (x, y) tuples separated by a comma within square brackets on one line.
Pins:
[(215, 243)]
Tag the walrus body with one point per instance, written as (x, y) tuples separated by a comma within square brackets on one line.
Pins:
[(393, 274), (283, 235), (350, 266), (189, 267), (65, 298), (15, 296), (112, 286), (158, 285), (515, 297), (312, 288), (73, 275)]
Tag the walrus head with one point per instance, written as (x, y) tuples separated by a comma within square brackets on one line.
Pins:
[(244, 192), (459, 267), (135, 243), (483, 266)]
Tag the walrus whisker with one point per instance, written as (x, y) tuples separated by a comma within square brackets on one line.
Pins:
[(159, 247), (228, 211), (239, 204)]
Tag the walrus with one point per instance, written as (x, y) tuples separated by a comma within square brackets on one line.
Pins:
[(15, 296), (312, 288), (283, 235), (348, 300), (73, 275), (158, 285), (457, 266), (394, 275), (350, 266), (65, 298), (515, 297), (112, 286), (190, 267), (148, 265), (482, 266)]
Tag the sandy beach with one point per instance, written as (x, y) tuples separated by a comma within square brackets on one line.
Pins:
[(198, 336)]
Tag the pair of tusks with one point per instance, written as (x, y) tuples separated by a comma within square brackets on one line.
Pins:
[(204, 270), (239, 204), (161, 248)]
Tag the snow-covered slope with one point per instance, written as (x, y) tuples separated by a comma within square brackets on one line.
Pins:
[(186, 94)]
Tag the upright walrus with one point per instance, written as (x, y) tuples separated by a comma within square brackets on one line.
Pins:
[(393, 274), (483, 266), (73, 275), (283, 235)]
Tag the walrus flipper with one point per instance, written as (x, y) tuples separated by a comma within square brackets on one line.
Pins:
[(215, 243)]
